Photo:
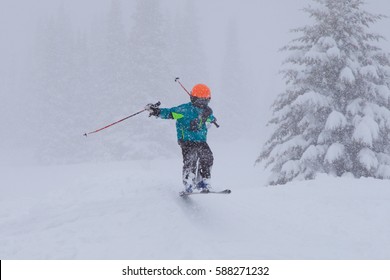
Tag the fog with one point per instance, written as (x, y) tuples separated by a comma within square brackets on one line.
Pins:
[(57, 80)]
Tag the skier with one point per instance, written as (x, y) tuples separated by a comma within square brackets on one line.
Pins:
[(191, 126)]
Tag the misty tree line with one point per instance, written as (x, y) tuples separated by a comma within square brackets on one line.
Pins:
[(84, 79), (333, 117)]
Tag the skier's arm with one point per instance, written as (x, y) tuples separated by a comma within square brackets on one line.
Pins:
[(212, 119), (171, 113), (164, 113)]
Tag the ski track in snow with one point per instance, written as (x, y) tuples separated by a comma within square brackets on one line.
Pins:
[(132, 210)]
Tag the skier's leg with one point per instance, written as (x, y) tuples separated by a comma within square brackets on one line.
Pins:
[(206, 160), (189, 163)]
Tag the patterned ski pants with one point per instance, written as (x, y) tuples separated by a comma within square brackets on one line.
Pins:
[(196, 154)]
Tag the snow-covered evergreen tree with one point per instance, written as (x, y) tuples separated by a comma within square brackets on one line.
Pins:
[(334, 116), (150, 76), (148, 48), (189, 54), (54, 91), (115, 64), (233, 97)]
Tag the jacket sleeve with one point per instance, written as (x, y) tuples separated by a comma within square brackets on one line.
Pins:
[(171, 113), (211, 118)]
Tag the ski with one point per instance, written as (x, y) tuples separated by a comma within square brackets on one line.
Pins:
[(185, 194)]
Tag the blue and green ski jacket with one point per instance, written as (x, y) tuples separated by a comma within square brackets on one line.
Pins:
[(189, 123)]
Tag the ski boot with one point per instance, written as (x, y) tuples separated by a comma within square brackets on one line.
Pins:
[(203, 186), (188, 189), (188, 182)]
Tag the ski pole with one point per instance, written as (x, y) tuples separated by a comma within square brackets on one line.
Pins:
[(177, 80), (121, 120), (215, 123)]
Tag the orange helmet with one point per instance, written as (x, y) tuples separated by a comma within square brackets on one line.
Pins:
[(201, 91)]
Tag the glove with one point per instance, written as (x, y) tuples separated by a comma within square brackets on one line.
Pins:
[(153, 109)]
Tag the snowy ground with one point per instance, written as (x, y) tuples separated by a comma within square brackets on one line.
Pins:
[(131, 210)]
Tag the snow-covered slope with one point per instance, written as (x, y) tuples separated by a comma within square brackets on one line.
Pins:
[(131, 210)]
